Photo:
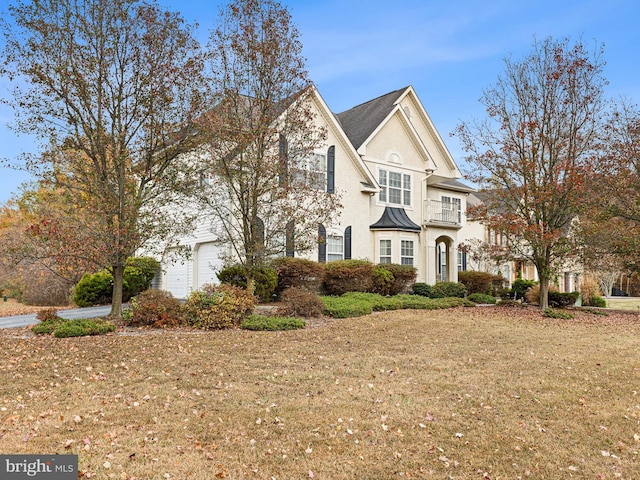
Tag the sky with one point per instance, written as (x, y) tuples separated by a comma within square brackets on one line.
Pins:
[(448, 50)]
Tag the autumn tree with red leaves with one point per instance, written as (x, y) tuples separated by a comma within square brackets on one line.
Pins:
[(535, 150), (112, 87), (265, 191)]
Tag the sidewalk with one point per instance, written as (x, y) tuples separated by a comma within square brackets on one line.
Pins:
[(16, 321)]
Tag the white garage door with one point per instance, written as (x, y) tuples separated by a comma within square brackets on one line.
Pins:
[(177, 276), (208, 264)]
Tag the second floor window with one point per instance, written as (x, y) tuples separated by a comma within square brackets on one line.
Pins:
[(395, 187), (312, 171)]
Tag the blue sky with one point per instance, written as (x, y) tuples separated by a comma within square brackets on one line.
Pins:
[(449, 50)]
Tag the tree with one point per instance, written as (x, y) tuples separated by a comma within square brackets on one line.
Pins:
[(113, 87), (265, 187), (534, 152)]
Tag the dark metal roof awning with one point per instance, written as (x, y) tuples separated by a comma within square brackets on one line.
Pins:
[(395, 219)]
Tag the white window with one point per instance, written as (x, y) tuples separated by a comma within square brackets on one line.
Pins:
[(452, 210), (406, 252), (395, 187), (462, 261), (312, 171), (385, 251), (335, 248)]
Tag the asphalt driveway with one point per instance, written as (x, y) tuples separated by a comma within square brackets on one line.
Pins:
[(30, 319)]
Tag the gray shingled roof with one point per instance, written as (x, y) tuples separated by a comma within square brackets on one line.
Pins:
[(359, 122), (453, 185), (395, 219)]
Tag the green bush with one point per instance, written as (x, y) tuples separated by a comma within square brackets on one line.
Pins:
[(138, 275), (382, 280), (378, 302), (46, 327), (153, 308), (264, 323), (553, 313), (299, 273), (298, 302), (339, 307), (418, 302), (348, 276), (448, 289), (96, 289), (481, 282), (265, 280), (421, 289), (392, 279), (482, 298), (82, 327), (597, 302), (562, 300), (519, 287), (218, 306)]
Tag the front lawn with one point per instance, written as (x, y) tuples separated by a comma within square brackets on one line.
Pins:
[(460, 393)]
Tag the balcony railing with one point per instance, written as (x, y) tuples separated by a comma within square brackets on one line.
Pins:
[(443, 213)]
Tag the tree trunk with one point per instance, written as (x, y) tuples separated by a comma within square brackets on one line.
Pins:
[(118, 283), (544, 293)]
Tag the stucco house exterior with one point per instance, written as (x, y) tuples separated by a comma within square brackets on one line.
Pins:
[(403, 201)]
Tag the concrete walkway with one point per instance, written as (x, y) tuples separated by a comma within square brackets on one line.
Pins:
[(30, 319)]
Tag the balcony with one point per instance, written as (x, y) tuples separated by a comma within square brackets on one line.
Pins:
[(438, 213)]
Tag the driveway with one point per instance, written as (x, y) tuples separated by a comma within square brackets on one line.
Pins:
[(30, 319)]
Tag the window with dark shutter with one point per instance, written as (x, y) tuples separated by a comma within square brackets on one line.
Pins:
[(322, 244), (331, 169)]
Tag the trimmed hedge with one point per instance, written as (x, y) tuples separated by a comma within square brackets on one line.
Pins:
[(348, 276), (482, 298), (563, 300), (299, 273), (481, 282), (448, 289)]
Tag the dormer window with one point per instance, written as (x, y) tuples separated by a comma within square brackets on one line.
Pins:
[(395, 188)]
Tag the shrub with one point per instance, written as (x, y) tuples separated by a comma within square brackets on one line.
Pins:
[(264, 323), (95, 289), (218, 306), (382, 280), (421, 303), (154, 308), (532, 295), (265, 280), (482, 298), (46, 327), (340, 307), (348, 276), (82, 327), (299, 273), (378, 302), (593, 311), (598, 302), (403, 277), (47, 314), (519, 287), (448, 289), (138, 275), (421, 289), (563, 300), (481, 282), (588, 289), (553, 313), (298, 302)]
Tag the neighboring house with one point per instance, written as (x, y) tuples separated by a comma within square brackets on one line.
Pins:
[(402, 200)]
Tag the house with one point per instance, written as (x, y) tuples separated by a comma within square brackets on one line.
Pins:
[(403, 202)]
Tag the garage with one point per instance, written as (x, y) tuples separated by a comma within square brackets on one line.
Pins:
[(208, 264), (176, 275)]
